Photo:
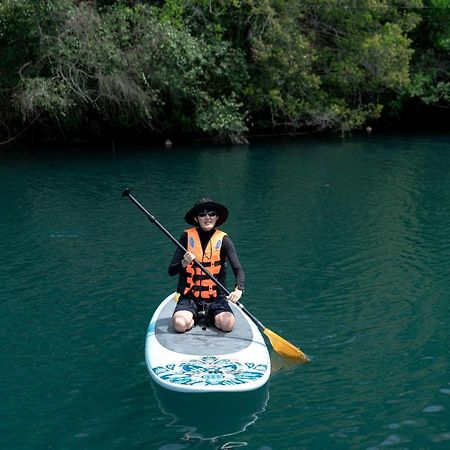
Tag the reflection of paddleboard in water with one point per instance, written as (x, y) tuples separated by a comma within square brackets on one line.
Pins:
[(211, 416), (205, 359)]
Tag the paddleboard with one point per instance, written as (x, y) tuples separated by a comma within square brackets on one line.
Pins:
[(205, 359)]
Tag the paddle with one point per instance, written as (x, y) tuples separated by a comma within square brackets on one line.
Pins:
[(279, 344)]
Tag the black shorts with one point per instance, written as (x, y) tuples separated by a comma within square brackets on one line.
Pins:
[(196, 307)]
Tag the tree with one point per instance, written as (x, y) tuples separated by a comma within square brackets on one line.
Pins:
[(330, 64), (431, 64), (215, 68)]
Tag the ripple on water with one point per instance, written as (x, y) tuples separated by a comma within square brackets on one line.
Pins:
[(393, 439), (441, 437), (408, 423), (433, 409)]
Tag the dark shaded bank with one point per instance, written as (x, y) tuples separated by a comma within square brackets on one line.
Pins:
[(419, 118)]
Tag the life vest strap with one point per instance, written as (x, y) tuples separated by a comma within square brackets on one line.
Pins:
[(207, 264), (199, 277), (203, 288)]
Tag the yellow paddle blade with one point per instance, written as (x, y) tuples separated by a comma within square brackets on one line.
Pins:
[(285, 348)]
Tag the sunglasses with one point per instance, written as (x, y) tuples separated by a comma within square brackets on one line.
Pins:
[(207, 213)]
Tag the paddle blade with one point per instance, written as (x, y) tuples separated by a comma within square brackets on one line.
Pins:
[(285, 348)]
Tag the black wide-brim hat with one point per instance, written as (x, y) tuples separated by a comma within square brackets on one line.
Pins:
[(210, 205)]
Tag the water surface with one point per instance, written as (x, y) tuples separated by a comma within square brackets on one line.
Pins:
[(346, 249)]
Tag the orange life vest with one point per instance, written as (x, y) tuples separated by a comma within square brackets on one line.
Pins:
[(199, 284)]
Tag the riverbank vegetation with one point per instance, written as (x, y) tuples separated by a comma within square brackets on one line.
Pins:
[(213, 68)]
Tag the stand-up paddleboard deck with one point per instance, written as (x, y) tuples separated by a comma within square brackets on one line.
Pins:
[(205, 360)]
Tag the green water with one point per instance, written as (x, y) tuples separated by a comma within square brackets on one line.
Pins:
[(346, 249)]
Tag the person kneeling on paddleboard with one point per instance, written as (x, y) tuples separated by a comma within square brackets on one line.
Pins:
[(200, 298)]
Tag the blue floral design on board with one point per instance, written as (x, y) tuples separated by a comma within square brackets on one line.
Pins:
[(210, 370)]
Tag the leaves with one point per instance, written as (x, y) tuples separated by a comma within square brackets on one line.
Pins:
[(220, 68)]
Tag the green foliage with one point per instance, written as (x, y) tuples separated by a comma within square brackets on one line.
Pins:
[(437, 19), (223, 117), (43, 94), (219, 68), (125, 67), (431, 65), (23, 25), (19, 39), (364, 57)]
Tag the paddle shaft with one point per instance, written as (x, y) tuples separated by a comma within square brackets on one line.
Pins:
[(154, 220)]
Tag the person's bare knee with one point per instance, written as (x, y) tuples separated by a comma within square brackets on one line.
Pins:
[(224, 321), (182, 321)]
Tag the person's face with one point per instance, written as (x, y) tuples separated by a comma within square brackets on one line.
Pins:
[(207, 219)]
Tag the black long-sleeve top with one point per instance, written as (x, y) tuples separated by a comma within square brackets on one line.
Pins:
[(227, 253)]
